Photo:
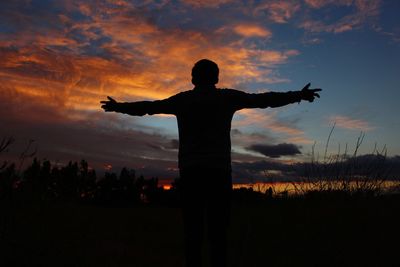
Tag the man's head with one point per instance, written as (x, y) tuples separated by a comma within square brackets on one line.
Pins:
[(205, 72)]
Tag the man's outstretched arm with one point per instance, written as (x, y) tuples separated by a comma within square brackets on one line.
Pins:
[(139, 108), (276, 99)]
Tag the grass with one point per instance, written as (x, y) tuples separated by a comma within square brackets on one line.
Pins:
[(277, 232)]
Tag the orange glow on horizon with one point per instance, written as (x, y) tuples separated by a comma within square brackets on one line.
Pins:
[(167, 187)]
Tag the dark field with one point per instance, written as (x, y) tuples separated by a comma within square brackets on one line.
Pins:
[(317, 231)]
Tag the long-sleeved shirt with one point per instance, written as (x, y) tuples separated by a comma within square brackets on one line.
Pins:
[(204, 120)]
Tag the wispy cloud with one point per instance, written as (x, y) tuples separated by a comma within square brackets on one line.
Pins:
[(278, 11), (364, 12), (350, 123), (322, 3), (269, 122)]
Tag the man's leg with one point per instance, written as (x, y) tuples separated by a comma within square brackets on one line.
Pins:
[(193, 217)]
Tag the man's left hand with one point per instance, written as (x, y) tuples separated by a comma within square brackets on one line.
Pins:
[(309, 94)]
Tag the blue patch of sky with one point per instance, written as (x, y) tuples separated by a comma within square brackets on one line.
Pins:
[(41, 10), (389, 17), (353, 64), (77, 35), (284, 36), (39, 16), (78, 16), (95, 47), (7, 28), (205, 20), (332, 13), (165, 125), (36, 5)]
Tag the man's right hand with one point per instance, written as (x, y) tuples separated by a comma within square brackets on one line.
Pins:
[(109, 105)]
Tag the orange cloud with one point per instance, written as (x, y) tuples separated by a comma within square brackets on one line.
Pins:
[(350, 123), (249, 30)]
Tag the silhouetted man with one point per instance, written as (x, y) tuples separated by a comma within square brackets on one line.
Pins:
[(204, 117)]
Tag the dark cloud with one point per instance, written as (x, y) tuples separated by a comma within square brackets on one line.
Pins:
[(275, 151), (256, 171), (235, 131), (371, 167), (174, 144)]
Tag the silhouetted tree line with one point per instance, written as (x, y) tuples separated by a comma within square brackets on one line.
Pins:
[(75, 181)]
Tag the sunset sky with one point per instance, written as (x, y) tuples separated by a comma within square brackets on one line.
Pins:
[(59, 59)]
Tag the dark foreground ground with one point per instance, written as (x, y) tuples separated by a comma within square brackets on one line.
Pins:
[(277, 232)]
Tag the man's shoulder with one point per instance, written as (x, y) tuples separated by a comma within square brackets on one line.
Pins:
[(182, 94), (230, 92), (185, 93)]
